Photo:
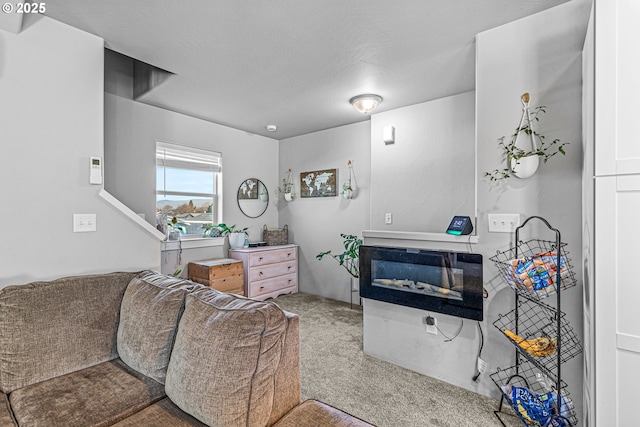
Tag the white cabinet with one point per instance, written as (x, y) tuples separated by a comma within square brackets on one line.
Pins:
[(612, 332), (617, 91), (269, 271), (617, 331)]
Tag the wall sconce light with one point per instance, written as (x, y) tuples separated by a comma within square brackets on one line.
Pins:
[(365, 103), (389, 134)]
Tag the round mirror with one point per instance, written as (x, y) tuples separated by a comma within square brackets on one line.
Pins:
[(253, 197)]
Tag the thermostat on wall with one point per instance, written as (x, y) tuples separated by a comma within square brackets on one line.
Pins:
[(460, 225), (95, 172)]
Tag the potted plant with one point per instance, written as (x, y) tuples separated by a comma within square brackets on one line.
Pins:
[(349, 258), (236, 236), (348, 187), (175, 228), (287, 187), (523, 163), (347, 190), (215, 230)]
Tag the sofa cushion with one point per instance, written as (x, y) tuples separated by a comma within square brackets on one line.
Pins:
[(149, 314), (312, 413), (53, 328), (97, 396), (161, 414), (225, 355), (6, 418)]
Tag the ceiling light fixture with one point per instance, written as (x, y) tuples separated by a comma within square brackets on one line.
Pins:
[(365, 103), (271, 128)]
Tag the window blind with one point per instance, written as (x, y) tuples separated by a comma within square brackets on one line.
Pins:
[(177, 156)]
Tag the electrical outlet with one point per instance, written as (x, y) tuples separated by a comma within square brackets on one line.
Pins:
[(503, 223), (431, 324), (387, 218)]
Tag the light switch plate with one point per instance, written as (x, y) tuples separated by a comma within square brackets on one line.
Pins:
[(84, 222), (503, 223)]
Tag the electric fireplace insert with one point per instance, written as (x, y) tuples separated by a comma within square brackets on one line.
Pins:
[(440, 281)]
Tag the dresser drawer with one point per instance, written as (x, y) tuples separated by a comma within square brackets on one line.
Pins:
[(272, 270), (269, 257), (261, 287)]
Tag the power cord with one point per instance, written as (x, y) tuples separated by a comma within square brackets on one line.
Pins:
[(479, 360), (457, 333)]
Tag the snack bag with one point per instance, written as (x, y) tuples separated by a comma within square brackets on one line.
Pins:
[(538, 410)]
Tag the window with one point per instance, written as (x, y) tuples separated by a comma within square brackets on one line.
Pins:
[(188, 186)]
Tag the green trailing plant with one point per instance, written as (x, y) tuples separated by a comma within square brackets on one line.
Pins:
[(513, 154), (221, 230), (349, 258)]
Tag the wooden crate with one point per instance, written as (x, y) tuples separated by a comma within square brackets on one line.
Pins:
[(223, 274)]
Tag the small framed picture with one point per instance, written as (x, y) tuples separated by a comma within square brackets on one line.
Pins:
[(248, 189)]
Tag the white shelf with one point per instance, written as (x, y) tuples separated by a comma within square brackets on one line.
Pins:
[(420, 236)]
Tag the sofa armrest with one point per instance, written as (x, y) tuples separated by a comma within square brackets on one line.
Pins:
[(287, 376)]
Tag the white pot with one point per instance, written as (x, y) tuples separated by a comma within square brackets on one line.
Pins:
[(347, 194), (355, 283), (525, 167), (288, 196), (236, 240)]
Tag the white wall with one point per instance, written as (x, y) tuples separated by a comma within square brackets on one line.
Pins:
[(541, 55), (428, 175), (51, 116), (316, 223)]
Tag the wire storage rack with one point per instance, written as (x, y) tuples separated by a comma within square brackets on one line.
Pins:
[(526, 375), (541, 334), (530, 267)]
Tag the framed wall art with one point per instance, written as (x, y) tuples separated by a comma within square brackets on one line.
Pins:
[(320, 183)]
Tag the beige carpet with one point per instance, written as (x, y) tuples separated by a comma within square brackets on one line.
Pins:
[(335, 370)]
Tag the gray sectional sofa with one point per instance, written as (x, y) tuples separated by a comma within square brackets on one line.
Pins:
[(145, 349)]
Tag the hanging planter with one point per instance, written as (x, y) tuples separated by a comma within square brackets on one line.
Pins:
[(287, 188), (524, 167), (348, 188), (523, 157)]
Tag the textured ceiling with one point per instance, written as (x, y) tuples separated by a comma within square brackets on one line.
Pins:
[(249, 63)]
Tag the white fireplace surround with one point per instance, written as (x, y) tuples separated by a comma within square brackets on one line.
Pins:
[(396, 333)]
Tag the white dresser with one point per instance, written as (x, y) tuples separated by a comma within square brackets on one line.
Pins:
[(269, 271)]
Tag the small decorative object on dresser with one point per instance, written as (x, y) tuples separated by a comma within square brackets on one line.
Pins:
[(269, 271), (223, 274)]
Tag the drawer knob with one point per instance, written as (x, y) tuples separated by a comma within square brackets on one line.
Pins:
[(260, 259), (261, 287), (261, 274), (289, 254), (289, 268)]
